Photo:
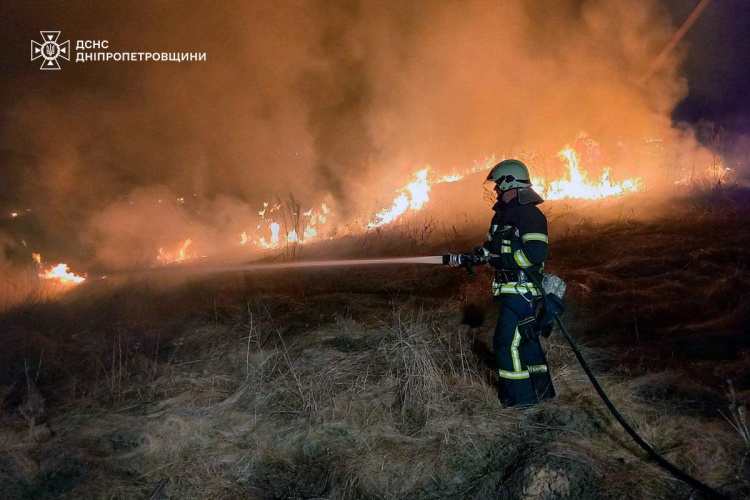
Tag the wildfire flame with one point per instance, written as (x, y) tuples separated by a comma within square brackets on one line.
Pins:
[(175, 257), (59, 273), (309, 223), (304, 227), (415, 194), (262, 242), (577, 184)]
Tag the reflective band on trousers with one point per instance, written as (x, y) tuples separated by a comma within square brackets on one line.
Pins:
[(517, 373), (537, 368), (513, 375), (514, 351), (514, 288), (535, 237)]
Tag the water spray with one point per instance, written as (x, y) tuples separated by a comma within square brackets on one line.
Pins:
[(272, 266)]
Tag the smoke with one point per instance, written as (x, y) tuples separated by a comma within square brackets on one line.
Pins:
[(323, 99)]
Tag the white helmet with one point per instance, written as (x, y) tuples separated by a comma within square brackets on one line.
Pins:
[(509, 174), (512, 174)]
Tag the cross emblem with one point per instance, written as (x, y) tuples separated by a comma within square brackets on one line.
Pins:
[(49, 50)]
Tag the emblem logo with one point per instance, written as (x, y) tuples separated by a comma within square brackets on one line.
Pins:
[(49, 50)]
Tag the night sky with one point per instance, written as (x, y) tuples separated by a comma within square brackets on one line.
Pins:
[(717, 66)]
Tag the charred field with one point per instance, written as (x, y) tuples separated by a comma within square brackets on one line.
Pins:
[(373, 382)]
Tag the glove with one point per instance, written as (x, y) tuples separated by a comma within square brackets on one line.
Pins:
[(480, 255)]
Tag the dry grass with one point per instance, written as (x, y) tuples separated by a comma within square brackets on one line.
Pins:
[(357, 385)]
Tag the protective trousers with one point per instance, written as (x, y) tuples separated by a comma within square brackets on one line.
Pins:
[(522, 364)]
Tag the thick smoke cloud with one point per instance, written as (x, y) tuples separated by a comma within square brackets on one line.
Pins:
[(327, 100)]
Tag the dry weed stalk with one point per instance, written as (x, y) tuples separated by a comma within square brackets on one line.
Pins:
[(738, 415)]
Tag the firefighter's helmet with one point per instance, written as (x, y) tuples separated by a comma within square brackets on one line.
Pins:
[(509, 174), (512, 174)]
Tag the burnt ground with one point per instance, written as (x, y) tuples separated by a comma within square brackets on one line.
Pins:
[(373, 382)]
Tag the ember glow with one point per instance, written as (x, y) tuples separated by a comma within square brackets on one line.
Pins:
[(716, 174), (59, 273), (576, 183)]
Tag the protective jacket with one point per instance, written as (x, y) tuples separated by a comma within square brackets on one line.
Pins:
[(518, 237)]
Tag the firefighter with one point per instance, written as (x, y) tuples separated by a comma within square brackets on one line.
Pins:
[(517, 241)]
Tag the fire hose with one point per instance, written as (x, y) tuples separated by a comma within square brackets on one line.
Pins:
[(471, 260)]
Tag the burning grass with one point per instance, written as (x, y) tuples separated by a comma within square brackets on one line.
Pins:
[(364, 383)]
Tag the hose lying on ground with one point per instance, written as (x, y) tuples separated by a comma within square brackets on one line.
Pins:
[(664, 463)]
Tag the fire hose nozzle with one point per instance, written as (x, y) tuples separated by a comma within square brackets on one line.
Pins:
[(466, 260)]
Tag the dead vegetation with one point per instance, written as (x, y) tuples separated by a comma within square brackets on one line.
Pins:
[(365, 384)]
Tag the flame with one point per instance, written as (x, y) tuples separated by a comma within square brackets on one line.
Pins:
[(310, 231), (450, 178), (262, 213), (175, 257), (414, 195), (577, 185), (262, 242), (275, 233), (310, 223), (308, 226), (62, 273), (59, 272)]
